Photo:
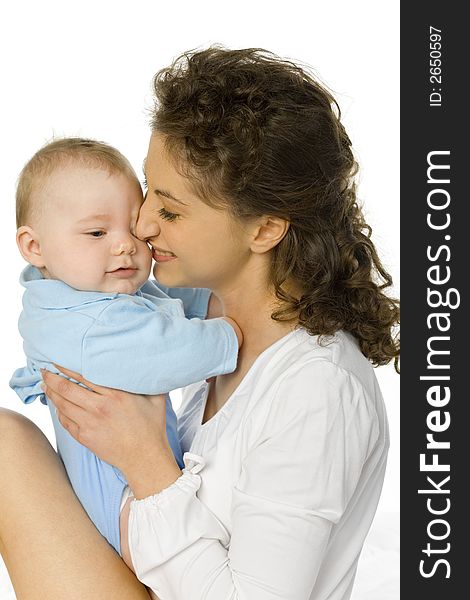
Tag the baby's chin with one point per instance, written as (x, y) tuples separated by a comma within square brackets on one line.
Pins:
[(123, 282), (122, 290), (111, 289), (107, 284), (117, 286), (123, 287)]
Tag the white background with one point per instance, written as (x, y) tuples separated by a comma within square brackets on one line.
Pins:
[(85, 68)]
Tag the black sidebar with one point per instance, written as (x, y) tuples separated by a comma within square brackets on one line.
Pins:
[(435, 366)]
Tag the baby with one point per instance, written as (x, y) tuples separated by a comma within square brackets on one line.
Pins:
[(88, 306)]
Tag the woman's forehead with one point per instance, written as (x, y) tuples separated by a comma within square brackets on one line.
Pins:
[(163, 176)]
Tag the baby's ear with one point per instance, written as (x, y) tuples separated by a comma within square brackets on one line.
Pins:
[(29, 246)]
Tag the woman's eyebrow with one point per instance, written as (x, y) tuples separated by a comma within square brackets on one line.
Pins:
[(160, 192), (168, 195)]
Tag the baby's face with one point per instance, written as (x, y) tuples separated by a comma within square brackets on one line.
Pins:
[(85, 230)]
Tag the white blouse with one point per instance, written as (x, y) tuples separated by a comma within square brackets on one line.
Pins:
[(280, 486)]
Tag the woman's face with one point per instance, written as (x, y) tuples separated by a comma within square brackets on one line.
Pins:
[(193, 244)]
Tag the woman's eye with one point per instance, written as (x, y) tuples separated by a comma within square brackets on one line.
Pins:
[(168, 216), (144, 183), (96, 234)]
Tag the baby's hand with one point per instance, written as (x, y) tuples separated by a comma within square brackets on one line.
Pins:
[(237, 330)]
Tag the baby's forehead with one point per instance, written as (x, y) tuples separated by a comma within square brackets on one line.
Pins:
[(73, 188), (58, 165), (75, 166), (81, 170)]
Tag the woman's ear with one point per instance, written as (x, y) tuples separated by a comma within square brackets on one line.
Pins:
[(268, 233), (29, 246)]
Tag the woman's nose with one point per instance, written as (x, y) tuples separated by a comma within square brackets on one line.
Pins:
[(147, 225)]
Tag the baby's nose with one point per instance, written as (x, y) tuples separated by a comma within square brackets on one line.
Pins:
[(124, 247)]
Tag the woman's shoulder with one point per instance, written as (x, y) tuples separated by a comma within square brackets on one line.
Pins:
[(316, 385), (308, 374), (299, 354), (301, 365), (299, 377), (296, 358)]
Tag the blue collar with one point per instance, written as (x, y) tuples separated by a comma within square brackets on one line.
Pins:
[(52, 293)]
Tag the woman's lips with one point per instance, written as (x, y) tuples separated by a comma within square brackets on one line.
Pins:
[(161, 256)]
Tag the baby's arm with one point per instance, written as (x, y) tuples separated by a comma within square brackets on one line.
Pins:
[(196, 301), (236, 328), (144, 349)]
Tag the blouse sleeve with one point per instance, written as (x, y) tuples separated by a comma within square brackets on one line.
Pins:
[(294, 485)]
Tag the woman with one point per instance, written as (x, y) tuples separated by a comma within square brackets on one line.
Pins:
[(250, 194)]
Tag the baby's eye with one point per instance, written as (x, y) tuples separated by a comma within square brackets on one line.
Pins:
[(168, 216), (96, 234)]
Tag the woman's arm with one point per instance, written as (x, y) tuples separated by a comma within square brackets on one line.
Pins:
[(181, 550), (126, 430), (295, 484), (178, 547)]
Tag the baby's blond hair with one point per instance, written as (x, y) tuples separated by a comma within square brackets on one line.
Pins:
[(63, 152)]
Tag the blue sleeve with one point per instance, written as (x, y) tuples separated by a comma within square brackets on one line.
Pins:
[(147, 350), (195, 300), (26, 382)]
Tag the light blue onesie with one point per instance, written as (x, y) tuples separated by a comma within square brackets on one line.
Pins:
[(146, 343)]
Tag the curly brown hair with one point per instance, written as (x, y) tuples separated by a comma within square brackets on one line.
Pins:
[(261, 136)]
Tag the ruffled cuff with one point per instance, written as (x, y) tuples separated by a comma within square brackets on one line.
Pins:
[(188, 483), (165, 524)]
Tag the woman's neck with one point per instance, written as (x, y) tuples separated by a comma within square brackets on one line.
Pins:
[(253, 315), (260, 331)]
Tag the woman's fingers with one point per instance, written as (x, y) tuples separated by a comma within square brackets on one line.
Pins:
[(61, 391), (70, 416), (77, 377), (66, 408), (71, 426)]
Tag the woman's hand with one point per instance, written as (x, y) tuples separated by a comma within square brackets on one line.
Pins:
[(126, 430)]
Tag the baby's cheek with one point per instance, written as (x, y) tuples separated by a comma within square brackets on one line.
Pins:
[(144, 259), (146, 251)]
